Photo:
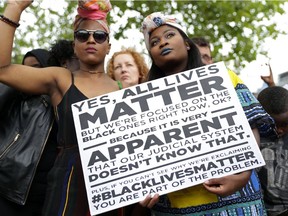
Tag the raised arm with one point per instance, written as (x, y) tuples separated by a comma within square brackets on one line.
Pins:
[(269, 80), (25, 78), (8, 25)]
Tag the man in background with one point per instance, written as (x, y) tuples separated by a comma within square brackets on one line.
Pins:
[(204, 48), (274, 176)]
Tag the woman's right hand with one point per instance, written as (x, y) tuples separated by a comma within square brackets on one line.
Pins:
[(21, 4), (269, 80), (12, 12)]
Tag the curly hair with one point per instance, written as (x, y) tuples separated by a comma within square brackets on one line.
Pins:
[(138, 58), (274, 100), (60, 51)]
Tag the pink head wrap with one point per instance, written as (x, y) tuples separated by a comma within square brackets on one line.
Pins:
[(155, 20), (93, 10)]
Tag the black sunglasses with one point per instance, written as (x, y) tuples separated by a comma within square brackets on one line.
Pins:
[(99, 36)]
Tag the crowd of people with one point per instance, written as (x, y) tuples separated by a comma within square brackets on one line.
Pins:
[(37, 126)]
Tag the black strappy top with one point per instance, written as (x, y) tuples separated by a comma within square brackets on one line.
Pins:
[(66, 130)]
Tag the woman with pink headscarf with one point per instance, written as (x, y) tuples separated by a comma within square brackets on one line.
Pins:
[(66, 191)]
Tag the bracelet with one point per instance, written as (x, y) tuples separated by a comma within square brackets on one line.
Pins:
[(9, 21)]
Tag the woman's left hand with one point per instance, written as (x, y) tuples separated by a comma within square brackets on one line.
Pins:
[(149, 201), (227, 185)]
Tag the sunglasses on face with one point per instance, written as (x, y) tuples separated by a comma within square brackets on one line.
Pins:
[(83, 35)]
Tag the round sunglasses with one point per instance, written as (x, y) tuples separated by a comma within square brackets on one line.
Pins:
[(82, 35)]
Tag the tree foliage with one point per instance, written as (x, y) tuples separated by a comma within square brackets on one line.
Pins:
[(240, 25)]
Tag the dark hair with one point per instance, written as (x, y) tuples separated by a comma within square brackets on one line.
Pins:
[(274, 99), (42, 56), (60, 51), (194, 59), (201, 41)]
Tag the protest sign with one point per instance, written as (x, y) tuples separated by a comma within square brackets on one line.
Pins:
[(162, 136)]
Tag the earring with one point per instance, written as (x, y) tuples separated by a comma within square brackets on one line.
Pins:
[(188, 48)]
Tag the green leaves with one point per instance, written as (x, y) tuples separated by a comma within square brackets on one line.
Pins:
[(243, 25)]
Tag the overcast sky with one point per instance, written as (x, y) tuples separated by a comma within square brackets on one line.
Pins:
[(277, 56)]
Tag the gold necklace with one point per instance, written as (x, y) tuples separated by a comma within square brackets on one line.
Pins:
[(91, 72)]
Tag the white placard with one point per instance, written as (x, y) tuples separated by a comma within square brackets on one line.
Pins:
[(162, 136)]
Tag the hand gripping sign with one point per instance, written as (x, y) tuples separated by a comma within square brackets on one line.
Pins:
[(162, 136)]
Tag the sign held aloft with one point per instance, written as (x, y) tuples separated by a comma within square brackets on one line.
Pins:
[(162, 136)]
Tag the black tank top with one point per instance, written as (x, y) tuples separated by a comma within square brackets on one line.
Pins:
[(66, 130)]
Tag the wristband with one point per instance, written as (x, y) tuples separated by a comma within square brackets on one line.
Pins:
[(9, 21)]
